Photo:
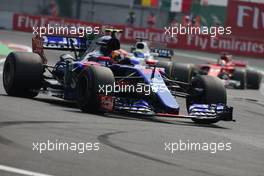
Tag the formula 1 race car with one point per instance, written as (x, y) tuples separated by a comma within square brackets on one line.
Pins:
[(147, 49), (234, 74), (101, 83)]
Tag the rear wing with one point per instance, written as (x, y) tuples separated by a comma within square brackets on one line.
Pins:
[(65, 43), (161, 49), (59, 43), (163, 52)]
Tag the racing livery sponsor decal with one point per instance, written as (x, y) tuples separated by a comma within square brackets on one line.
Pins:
[(236, 45), (246, 18)]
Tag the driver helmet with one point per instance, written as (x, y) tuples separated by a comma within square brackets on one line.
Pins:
[(103, 42), (108, 44), (226, 58), (222, 62)]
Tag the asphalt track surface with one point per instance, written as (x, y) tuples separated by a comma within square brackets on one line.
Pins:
[(128, 145)]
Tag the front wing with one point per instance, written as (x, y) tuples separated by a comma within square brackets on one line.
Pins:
[(196, 111)]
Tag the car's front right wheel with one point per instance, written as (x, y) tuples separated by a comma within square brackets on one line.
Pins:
[(206, 90), (93, 82)]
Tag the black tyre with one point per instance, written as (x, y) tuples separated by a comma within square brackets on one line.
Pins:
[(182, 72), (88, 87), (241, 76), (167, 65), (206, 90), (23, 74), (253, 79)]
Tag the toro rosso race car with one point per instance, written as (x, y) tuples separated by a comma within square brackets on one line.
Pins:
[(99, 80)]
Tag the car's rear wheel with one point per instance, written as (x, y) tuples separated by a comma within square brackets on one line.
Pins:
[(167, 65), (91, 84), (241, 76), (253, 79), (206, 90), (23, 74), (182, 72)]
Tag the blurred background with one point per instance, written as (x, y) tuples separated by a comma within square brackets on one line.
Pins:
[(147, 18), (155, 13)]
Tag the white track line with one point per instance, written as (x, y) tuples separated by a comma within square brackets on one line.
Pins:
[(18, 47), (193, 56), (2, 60), (21, 171), (262, 89)]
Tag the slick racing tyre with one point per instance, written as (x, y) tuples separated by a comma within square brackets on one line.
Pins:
[(167, 65), (253, 79), (23, 74), (206, 90), (88, 87), (241, 76), (182, 72)]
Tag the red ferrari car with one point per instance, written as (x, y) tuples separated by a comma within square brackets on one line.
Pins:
[(235, 74)]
